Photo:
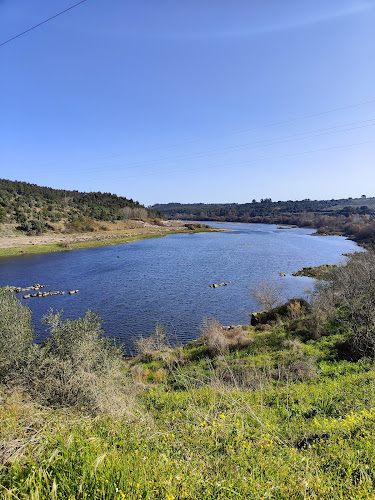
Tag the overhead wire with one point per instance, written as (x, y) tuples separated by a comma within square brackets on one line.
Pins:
[(272, 124), (41, 23), (259, 127), (253, 160), (236, 148), (234, 164)]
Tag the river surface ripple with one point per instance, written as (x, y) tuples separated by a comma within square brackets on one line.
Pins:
[(166, 280)]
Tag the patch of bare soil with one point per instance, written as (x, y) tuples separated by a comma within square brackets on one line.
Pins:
[(10, 238)]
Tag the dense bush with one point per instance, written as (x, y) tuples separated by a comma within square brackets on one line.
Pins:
[(348, 300), (76, 366), (32, 227), (16, 338)]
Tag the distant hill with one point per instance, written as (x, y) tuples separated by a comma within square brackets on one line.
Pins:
[(353, 217), (266, 208), (32, 206)]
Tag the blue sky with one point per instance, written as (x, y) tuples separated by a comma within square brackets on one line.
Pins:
[(191, 101)]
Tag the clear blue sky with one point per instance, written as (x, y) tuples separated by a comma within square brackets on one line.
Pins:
[(191, 101)]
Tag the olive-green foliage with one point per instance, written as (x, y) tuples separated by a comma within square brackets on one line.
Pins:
[(16, 337), (349, 299), (31, 206), (3, 214), (76, 366)]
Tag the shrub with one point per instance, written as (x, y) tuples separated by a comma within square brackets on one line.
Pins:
[(16, 337), (349, 300), (214, 337), (82, 225), (79, 367), (152, 345), (237, 337), (267, 294), (32, 227), (302, 369), (76, 366)]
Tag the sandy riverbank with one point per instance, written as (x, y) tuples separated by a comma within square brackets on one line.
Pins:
[(14, 243)]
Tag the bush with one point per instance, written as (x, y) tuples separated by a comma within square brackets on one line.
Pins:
[(32, 227), (349, 299), (79, 367), (16, 338), (154, 344), (267, 294), (76, 366), (214, 337), (83, 225)]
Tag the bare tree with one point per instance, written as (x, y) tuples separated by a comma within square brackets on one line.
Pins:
[(267, 294)]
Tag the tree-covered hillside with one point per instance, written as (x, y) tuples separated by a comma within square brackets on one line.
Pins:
[(267, 207), (30, 205)]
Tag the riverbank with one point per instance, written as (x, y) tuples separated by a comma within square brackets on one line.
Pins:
[(13, 244)]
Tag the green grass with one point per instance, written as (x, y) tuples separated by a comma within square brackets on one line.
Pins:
[(193, 432), (292, 442), (265, 413), (318, 272)]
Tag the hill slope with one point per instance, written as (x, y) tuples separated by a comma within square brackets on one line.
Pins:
[(29, 204)]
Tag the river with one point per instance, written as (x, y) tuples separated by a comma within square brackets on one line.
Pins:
[(166, 280)]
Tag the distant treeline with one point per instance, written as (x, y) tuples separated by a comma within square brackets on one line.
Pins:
[(33, 206), (353, 217)]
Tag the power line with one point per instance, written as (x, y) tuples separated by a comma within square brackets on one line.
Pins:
[(233, 149), (273, 124), (43, 22), (268, 125), (238, 163), (250, 161)]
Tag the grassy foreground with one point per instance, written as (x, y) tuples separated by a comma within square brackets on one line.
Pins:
[(274, 417), (298, 441)]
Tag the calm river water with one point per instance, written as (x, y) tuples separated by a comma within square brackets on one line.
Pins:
[(166, 280)]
